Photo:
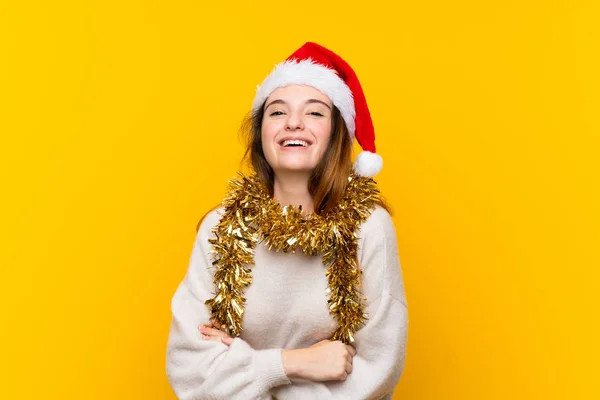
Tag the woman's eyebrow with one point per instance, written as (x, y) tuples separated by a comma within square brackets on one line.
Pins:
[(278, 101), (318, 101), (309, 101)]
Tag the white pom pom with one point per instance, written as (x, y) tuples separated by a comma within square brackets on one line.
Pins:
[(368, 164)]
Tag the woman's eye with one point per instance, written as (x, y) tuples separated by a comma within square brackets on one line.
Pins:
[(276, 113), (315, 113)]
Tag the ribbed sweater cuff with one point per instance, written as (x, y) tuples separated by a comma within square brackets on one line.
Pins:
[(269, 368)]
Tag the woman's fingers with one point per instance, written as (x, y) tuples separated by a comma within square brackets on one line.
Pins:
[(227, 340), (212, 332), (351, 350), (216, 335), (348, 368), (216, 325), (351, 353)]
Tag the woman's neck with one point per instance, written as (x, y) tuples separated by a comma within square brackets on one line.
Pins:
[(291, 188)]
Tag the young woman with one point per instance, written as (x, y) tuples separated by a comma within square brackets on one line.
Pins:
[(294, 288)]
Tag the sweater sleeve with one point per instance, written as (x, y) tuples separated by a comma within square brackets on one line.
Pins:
[(199, 369), (381, 343)]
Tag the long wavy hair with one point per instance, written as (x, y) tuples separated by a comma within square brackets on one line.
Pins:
[(327, 183), (328, 180)]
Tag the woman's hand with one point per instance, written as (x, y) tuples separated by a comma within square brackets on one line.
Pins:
[(325, 361), (211, 332)]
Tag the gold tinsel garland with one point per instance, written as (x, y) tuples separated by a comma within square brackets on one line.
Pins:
[(252, 215)]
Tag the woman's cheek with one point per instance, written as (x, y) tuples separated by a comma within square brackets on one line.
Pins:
[(322, 128), (323, 132), (268, 137), (269, 130)]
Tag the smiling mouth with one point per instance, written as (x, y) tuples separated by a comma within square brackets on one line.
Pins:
[(295, 143)]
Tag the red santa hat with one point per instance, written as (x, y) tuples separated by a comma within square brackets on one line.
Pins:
[(314, 65)]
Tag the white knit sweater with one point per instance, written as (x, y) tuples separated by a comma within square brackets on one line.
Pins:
[(286, 308)]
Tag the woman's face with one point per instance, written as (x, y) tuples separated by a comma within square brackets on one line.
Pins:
[(296, 128)]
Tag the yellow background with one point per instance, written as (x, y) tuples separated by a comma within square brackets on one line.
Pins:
[(119, 126)]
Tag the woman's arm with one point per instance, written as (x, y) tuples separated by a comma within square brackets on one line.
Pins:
[(324, 361), (201, 369)]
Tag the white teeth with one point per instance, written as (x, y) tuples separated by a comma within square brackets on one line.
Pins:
[(294, 142)]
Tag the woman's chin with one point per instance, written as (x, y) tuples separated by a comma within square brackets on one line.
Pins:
[(294, 168)]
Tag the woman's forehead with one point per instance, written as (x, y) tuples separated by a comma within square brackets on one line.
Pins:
[(298, 93)]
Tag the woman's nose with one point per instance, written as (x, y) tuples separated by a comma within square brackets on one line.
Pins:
[(294, 122)]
